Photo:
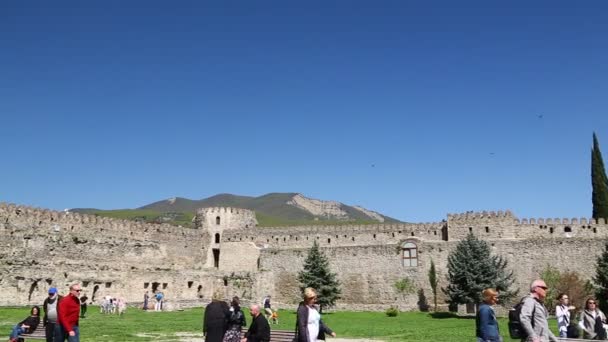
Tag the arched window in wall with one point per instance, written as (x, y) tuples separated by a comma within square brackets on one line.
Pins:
[(217, 237), (410, 254), (217, 220)]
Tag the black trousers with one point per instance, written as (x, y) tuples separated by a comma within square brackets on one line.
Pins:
[(49, 330)]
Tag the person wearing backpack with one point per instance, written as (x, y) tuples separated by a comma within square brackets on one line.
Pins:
[(485, 322), (533, 315)]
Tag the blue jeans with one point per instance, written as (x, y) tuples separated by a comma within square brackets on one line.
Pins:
[(61, 334), (17, 330)]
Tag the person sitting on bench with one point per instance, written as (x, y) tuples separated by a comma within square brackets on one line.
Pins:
[(26, 326)]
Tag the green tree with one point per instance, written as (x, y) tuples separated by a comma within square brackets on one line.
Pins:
[(433, 281), (599, 182), (472, 268), (316, 274), (601, 279)]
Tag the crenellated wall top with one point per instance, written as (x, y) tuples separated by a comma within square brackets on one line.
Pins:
[(470, 216), (561, 221), (38, 216)]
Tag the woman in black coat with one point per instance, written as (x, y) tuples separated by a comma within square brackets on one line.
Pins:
[(310, 327), (214, 323)]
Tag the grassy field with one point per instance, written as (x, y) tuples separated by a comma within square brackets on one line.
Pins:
[(137, 325)]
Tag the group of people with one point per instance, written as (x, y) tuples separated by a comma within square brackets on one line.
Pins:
[(533, 317), (159, 296), (223, 323), (61, 316), (113, 305)]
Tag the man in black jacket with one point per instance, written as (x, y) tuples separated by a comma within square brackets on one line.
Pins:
[(50, 313), (259, 331)]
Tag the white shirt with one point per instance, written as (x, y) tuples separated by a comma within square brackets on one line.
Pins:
[(313, 324), (563, 317)]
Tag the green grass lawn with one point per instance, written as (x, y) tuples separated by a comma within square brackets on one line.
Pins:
[(137, 325)]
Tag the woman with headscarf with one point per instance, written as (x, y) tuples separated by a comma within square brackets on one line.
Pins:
[(310, 327), (214, 323)]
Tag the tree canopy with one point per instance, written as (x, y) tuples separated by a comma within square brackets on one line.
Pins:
[(317, 274), (599, 182), (472, 268)]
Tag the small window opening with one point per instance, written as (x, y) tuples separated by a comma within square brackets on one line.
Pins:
[(217, 220), (551, 230), (190, 284), (567, 229), (217, 237), (487, 229), (108, 284), (328, 240), (164, 286), (146, 285), (470, 229)]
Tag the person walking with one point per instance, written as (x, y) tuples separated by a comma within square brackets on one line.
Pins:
[(83, 305), (236, 320), (49, 306), (68, 314), (533, 315), (485, 321), (592, 321), (146, 298), (259, 330), (214, 322), (309, 326), (562, 314)]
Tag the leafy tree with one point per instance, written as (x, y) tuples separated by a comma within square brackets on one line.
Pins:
[(552, 277), (472, 268), (316, 274), (599, 182), (601, 279), (433, 281)]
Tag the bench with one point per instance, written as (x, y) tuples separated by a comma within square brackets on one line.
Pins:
[(37, 334), (277, 335)]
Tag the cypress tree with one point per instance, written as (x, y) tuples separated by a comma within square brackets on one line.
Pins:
[(316, 274), (599, 182), (601, 280), (472, 268), (433, 281)]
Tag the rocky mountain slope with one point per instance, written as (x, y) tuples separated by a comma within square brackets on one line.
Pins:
[(273, 209)]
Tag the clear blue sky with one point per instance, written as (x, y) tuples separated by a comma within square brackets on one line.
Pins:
[(412, 109)]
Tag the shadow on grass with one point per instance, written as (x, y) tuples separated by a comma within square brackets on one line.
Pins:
[(443, 315)]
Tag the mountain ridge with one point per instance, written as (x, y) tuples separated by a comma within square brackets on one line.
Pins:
[(272, 209)]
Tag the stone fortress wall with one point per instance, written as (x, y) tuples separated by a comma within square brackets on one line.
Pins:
[(227, 252)]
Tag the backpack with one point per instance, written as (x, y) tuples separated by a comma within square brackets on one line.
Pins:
[(515, 328)]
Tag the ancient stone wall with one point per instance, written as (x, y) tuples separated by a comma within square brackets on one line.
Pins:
[(227, 252)]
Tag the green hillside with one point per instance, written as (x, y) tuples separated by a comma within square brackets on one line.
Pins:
[(271, 210)]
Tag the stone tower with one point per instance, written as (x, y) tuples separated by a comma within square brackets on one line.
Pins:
[(213, 222)]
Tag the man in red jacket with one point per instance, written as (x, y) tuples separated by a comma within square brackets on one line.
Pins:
[(68, 313)]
